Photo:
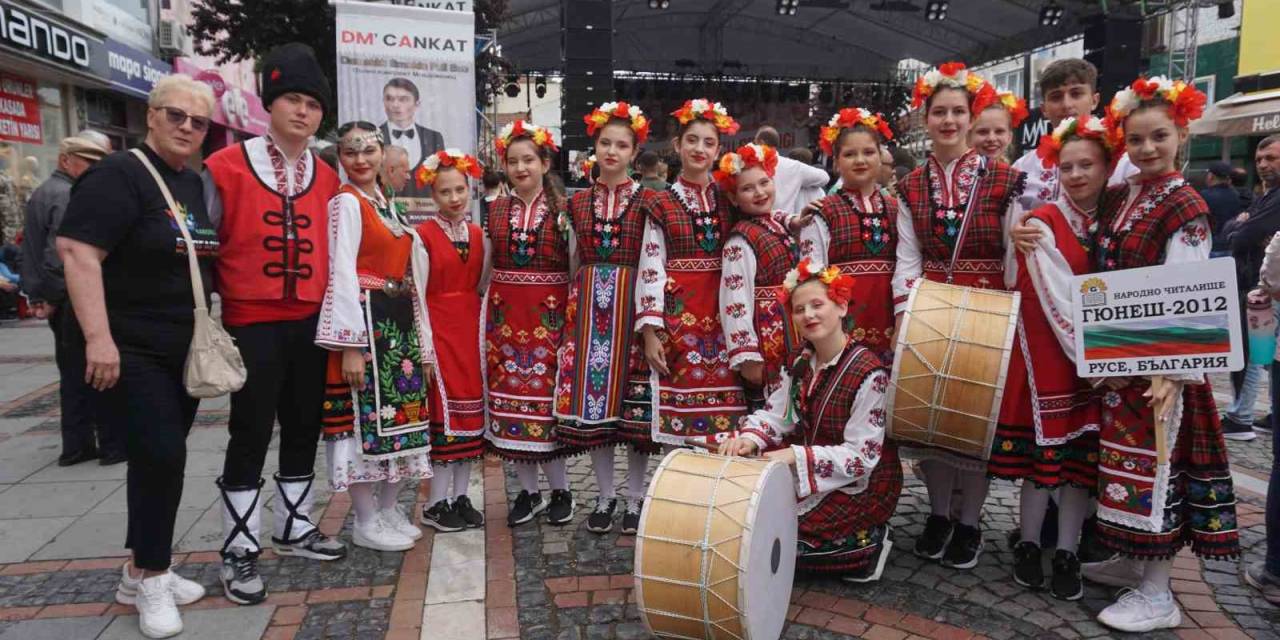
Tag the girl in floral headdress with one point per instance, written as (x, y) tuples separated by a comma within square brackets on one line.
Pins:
[(600, 361), (525, 307), (951, 226), (458, 259), (826, 418), (992, 130), (1163, 477), (855, 229), (695, 394)]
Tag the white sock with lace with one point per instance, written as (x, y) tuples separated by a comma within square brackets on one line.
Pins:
[(527, 472), (461, 478), (363, 501), (441, 484), (388, 492), (637, 468), (557, 473), (1033, 501), (602, 463)]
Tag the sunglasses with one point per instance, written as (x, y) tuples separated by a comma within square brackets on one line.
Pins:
[(177, 117)]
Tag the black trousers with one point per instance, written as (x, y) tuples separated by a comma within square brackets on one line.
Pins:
[(79, 402), (286, 383), (155, 412)]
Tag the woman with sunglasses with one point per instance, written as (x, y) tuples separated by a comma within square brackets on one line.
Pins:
[(130, 284)]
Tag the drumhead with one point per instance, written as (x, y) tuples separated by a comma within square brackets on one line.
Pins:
[(768, 554)]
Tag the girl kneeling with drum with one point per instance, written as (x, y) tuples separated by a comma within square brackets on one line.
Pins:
[(827, 419)]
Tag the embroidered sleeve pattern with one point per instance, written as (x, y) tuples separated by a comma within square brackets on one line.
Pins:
[(768, 426), (824, 468), (1191, 243), (910, 262), (1051, 276), (341, 321), (651, 288), (737, 302)]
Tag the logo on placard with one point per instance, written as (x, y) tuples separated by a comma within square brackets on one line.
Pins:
[(1093, 292)]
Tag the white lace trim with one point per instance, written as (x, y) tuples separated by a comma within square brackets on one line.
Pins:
[(347, 465)]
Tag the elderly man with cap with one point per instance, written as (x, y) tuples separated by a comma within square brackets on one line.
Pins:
[(269, 199), (43, 283)]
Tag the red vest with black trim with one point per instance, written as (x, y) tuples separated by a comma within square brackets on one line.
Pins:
[(776, 253), (273, 247), (550, 247), (685, 237), (854, 232), (1143, 245), (824, 411), (998, 184), (627, 229)]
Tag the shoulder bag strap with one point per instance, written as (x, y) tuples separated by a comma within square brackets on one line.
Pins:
[(197, 285)]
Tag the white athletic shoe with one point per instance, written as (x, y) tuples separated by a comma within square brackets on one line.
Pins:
[(157, 612), (184, 591), (1136, 611), (379, 536), (397, 521), (1116, 572)]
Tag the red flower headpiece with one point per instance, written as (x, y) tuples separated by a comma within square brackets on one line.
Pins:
[(623, 111), (1086, 128), (712, 112), (1016, 106), (954, 75), (839, 285), (430, 168), (847, 119), (748, 155), (1186, 103), (518, 129)]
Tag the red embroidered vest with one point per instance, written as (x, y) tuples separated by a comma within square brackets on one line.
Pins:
[(550, 250), (935, 226), (860, 235), (825, 409), (1143, 244), (776, 252), (625, 232), (687, 237), (273, 247)]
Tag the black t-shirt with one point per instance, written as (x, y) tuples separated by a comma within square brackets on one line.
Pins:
[(117, 206)]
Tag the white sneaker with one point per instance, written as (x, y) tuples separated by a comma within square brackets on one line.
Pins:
[(184, 591), (1136, 611), (397, 521), (157, 613), (379, 536), (1116, 572)]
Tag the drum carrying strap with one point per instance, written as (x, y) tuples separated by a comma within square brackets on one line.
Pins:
[(964, 220)]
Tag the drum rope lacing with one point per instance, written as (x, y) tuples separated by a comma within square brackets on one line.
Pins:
[(706, 548)]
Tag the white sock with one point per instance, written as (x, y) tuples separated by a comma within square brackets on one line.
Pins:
[(1155, 577), (602, 463), (441, 484), (557, 473), (363, 501), (1032, 504), (939, 479), (387, 493), (1073, 508), (528, 474), (973, 486), (461, 478), (637, 467)]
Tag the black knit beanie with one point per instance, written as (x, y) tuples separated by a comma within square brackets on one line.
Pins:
[(290, 68)]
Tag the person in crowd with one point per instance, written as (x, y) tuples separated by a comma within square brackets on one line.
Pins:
[(887, 178), (801, 155), (1224, 204), (459, 261), (649, 164), (1068, 89), (381, 361), (11, 284), (494, 183), (951, 228), (796, 183), (46, 292), (395, 168), (693, 394), (532, 260), (827, 420), (758, 254), (1157, 219), (129, 280), (600, 363), (269, 199), (400, 101), (1050, 442), (855, 228), (1240, 182), (992, 130)]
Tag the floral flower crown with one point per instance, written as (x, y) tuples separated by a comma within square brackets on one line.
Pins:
[(539, 135), (848, 118), (954, 75), (839, 285), (601, 116), (1086, 128), (581, 170), (748, 155), (712, 112), (1016, 106), (1186, 103), (430, 168)]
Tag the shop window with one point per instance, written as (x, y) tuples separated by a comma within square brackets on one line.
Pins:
[(25, 164), (1207, 84)]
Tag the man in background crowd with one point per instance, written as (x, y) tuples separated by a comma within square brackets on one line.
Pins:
[(1224, 204)]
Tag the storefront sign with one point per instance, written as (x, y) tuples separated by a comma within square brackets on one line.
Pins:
[(234, 107), (132, 71), (19, 110), (47, 38), (1158, 320)]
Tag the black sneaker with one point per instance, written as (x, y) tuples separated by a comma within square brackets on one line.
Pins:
[(601, 518), (241, 581), (1092, 551), (560, 511), (1233, 430), (631, 517), (932, 543), (441, 517), (1027, 568), (964, 548), (1066, 583), (526, 507), (462, 506), (1263, 424), (76, 457)]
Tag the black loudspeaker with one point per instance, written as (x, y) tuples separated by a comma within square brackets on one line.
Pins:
[(1114, 46), (586, 46)]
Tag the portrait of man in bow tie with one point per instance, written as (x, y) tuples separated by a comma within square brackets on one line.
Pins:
[(400, 100)]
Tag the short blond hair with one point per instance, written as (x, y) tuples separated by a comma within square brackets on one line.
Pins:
[(179, 83)]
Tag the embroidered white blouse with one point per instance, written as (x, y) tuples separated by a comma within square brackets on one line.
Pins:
[(738, 297)]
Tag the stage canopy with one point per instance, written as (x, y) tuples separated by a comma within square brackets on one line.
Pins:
[(825, 39)]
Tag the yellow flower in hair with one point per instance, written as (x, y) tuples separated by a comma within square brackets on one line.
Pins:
[(600, 118), (539, 137), (973, 82), (829, 275)]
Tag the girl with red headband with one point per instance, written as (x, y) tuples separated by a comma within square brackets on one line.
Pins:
[(951, 227), (757, 256), (599, 359), (694, 393), (826, 418), (458, 259)]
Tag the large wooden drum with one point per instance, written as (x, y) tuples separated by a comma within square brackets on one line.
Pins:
[(949, 367), (716, 548)]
